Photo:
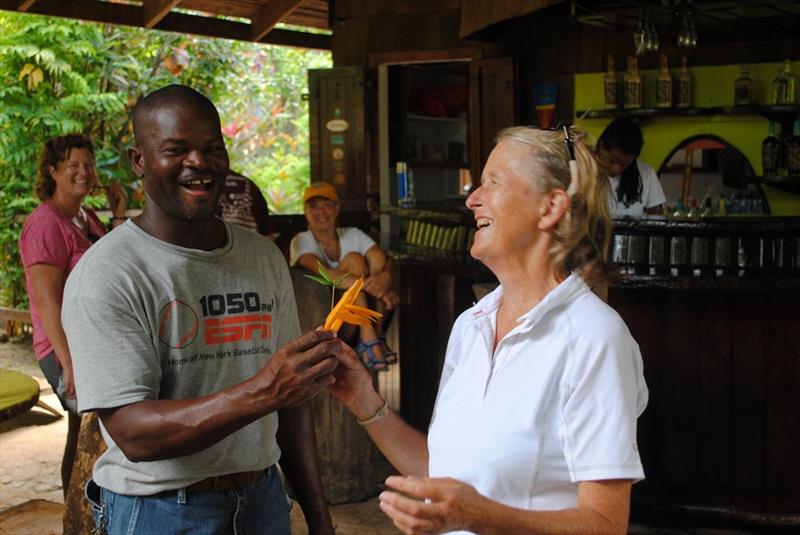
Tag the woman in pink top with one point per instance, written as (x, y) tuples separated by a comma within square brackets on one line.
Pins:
[(53, 239)]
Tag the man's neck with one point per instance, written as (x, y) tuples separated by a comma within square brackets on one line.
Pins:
[(205, 235)]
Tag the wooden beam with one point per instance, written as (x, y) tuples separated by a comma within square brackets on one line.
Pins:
[(132, 15), (25, 5), (270, 14), (155, 10)]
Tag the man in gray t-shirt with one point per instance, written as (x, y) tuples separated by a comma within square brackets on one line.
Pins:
[(185, 341)]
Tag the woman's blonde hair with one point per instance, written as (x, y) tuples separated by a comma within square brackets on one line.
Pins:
[(583, 234)]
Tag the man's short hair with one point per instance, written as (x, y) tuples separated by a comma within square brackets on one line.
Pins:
[(166, 95)]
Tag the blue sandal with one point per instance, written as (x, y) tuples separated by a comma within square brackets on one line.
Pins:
[(368, 357), (388, 355)]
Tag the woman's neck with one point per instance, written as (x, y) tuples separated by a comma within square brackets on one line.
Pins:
[(527, 280), (327, 237), (68, 206)]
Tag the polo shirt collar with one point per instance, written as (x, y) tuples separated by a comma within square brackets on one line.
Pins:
[(566, 291)]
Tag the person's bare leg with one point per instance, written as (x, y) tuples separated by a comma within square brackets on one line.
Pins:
[(357, 265)]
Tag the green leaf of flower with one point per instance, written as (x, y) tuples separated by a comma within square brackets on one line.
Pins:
[(319, 280), (323, 272)]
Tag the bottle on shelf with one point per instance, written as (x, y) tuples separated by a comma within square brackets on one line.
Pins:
[(611, 86), (683, 97), (680, 209), (663, 84), (790, 82), (780, 88), (791, 151), (694, 211), (722, 208), (402, 183), (707, 210), (770, 152), (633, 84), (743, 88)]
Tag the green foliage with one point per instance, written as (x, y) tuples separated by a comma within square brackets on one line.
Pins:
[(325, 279), (59, 76)]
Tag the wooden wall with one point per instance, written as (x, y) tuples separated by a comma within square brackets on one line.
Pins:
[(548, 45)]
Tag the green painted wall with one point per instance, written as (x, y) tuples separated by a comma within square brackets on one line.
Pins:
[(712, 86)]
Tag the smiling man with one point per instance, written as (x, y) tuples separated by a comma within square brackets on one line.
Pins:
[(186, 342)]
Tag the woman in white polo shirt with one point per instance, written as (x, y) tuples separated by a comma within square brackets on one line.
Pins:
[(634, 189), (534, 428)]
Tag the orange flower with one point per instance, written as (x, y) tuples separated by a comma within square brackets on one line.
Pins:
[(346, 311)]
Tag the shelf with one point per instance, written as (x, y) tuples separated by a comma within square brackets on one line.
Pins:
[(782, 114), (786, 183), (432, 119)]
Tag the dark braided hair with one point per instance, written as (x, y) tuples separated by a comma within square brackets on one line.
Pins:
[(624, 135)]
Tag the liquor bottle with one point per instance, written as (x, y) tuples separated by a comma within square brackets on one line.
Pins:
[(694, 211), (633, 84), (770, 152), (707, 210), (664, 85), (743, 88), (611, 86), (791, 151), (684, 86), (780, 88), (680, 209), (790, 83)]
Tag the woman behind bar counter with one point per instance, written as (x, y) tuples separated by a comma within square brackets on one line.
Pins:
[(634, 186), (534, 428)]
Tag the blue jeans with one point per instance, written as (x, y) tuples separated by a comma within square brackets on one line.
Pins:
[(262, 508)]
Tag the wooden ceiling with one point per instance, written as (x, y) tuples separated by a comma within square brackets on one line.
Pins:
[(245, 20)]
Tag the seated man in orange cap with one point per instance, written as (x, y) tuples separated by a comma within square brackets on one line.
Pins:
[(347, 253)]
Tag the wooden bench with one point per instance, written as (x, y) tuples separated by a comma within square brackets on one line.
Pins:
[(13, 319)]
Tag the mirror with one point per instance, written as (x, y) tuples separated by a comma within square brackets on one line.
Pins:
[(714, 174)]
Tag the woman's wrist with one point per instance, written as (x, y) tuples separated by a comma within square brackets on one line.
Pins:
[(365, 409)]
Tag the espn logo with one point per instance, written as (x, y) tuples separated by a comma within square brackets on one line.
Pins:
[(238, 328)]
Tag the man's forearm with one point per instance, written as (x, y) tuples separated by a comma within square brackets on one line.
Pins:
[(169, 428), (299, 463)]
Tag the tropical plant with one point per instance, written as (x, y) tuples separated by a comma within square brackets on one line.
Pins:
[(61, 76)]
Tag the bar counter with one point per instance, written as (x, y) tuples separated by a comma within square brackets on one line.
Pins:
[(715, 307)]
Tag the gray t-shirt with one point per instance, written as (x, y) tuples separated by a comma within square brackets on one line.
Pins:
[(148, 320)]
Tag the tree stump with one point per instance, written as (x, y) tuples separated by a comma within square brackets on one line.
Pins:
[(78, 511), (351, 467)]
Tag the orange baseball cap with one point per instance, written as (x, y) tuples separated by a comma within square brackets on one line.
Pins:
[(320, 189)]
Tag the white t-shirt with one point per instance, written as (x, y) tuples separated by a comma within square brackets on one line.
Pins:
[(351, 240), (554, 405), (652, 194)]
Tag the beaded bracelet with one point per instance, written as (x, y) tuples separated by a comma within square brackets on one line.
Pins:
[(380, 413)]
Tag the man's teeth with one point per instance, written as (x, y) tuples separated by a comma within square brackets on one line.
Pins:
[(197, 182), (484, 222)]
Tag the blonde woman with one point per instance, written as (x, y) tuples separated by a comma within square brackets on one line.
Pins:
[(534, 428)]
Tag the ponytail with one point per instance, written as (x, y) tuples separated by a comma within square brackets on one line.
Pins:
[(584, 233)]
